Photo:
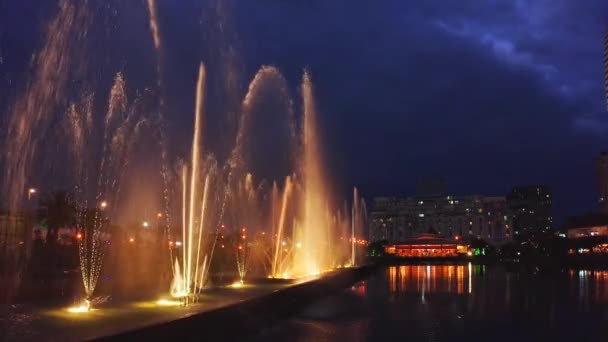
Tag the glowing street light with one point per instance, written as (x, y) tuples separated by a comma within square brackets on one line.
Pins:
[(298, 245), (79, 236), (145, 224), (131, 240), (103, 204), (159, 215), (30, 192)]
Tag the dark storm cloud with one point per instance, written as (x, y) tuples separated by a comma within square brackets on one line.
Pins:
[(486, 94)]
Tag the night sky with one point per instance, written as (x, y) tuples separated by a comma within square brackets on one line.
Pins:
[(485, 94)]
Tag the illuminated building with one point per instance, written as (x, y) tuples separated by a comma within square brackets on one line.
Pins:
[(532, 209), (592, 225), (427, 246), (601, 172), (394, 219)]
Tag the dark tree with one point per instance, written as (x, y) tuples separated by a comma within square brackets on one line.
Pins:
[(58, 211)]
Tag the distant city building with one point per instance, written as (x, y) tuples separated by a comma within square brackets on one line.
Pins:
[(601, 172), (427, 246), (397, 219), (587, 226), (532, 209)]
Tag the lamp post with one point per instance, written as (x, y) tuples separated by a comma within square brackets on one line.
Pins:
[(30, 193)]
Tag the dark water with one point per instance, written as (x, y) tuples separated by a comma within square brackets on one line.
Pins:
[(457, 303)]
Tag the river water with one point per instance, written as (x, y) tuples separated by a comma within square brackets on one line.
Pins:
[(457, 303)]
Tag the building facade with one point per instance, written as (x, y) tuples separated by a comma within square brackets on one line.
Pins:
[(396, 219), (532, 209)]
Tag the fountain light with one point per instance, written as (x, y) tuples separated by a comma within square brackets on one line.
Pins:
[(83, 307), (168, 302), (238, 284)]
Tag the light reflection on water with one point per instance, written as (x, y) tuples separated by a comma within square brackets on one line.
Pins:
[(425, 279), (459, 302), (590, 286)]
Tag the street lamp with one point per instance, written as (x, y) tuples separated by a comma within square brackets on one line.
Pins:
[(30, 192), (145, 224), (103, 204)]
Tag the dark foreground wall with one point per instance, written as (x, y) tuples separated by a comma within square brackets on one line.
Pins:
[(249, 317)]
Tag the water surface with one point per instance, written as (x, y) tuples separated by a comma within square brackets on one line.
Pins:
[(458, 302)]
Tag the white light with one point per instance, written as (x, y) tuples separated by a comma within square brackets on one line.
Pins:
[(145, 224), (283, 243), (298, 245), (178, 243), (421, 215)]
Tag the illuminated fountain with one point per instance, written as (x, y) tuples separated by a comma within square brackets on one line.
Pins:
[(307, 232), (314, 232), (189, 277)]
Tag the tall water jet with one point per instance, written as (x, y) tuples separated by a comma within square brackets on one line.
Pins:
[(354, 218), (191, 199), (163, 141), (154, 30), (311, 257), (277, 263), (30, 116), (94, 225)]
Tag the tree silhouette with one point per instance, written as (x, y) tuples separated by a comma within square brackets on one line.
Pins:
[(58, 211)]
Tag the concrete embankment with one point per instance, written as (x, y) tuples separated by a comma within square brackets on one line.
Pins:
[(248, 317)]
